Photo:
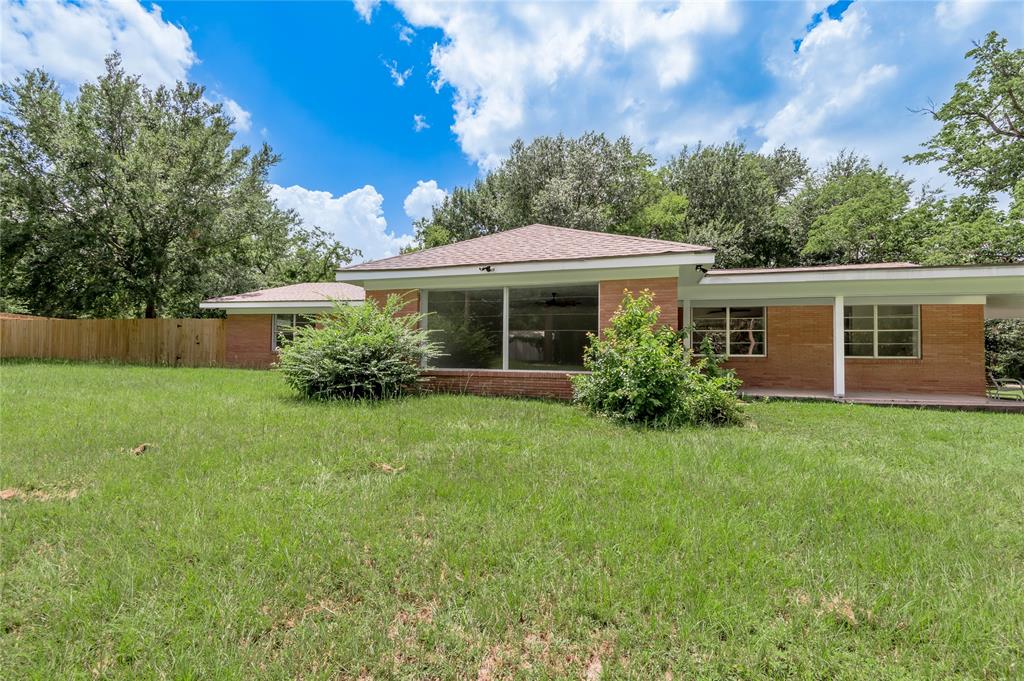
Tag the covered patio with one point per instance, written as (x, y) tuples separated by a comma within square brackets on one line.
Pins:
[(887, 333)]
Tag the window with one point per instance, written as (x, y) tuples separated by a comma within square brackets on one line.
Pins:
[(539, 327), (285, 325), (734, 331), (882, 330), (468, 325), (548, 326)]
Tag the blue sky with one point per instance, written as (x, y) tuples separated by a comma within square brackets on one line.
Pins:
[(337, 88)]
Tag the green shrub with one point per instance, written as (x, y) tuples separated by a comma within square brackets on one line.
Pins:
[(641, 373), (358, 352)]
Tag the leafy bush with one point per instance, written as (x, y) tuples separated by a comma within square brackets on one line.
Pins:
[(641, 373), (358, 352), (1004, 347)]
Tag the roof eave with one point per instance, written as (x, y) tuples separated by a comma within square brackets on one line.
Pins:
[(654, 260)]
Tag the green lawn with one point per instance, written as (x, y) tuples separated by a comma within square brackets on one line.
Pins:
[(463, 537)]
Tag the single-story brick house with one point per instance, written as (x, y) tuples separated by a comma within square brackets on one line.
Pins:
[(513, 310)]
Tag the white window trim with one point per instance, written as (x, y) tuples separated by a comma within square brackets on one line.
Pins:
[(424, 310), (728, 331), (274, 347), (874, 336)]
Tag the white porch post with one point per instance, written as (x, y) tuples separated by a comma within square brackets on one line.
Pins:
[(687, 320), (838, 350)]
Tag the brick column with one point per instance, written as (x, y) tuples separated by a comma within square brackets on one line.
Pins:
[(665, 296)]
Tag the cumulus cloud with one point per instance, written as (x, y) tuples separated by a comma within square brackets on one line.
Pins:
[(406, 34), (955, 14), (365, 8), (419, 122), (397, 74), (356, 219), (70, 40), (422, 199), (522, 69), (243, 119), (829, 77)]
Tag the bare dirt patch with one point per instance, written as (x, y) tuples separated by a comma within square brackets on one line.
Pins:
[(17, 494)]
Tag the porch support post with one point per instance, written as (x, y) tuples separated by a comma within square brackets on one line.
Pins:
[(687, 320), (838, 350)]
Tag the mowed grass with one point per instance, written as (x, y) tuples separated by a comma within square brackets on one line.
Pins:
[(465, 537)]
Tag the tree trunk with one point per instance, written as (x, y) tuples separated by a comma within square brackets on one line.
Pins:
[(150, 309)]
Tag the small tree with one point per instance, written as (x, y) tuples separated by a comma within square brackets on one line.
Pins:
[(365, 351), (641, 373)]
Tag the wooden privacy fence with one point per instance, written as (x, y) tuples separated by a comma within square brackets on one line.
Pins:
[(174, 342)]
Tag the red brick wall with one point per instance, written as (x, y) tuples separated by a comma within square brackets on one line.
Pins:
[(411, 295), (550, 384), (798, 341), (952, 357), (799, 354), (665, 294), (248, 342)]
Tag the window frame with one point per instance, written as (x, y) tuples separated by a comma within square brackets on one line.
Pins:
[(692, 324), (274, 326), (505, 336), (874, 333)]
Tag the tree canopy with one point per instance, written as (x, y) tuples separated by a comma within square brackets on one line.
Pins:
[(126, 201), (981, 142)]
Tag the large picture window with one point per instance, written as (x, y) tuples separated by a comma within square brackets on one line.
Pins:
[(882, 330), (539, 328), (734, 331), (548, 326), (468, 325), (285, 325)]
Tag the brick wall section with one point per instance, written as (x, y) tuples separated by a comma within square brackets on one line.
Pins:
[(247, 341), (799, 350), (665, 294), (411, 295), (799, 357), (547, 384), (952, 357)]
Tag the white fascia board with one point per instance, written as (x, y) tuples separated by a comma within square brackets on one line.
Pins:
[(901, 286), (633, 261), (881, 274), (524, 279), (850, 300)]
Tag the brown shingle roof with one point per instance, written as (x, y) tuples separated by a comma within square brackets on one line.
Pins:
[(819, 268), (297, 293), (533, 243)]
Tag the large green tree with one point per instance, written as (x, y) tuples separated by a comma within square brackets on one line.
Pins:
[(735, 199), (127, 201), (981, 142), (589, 182)]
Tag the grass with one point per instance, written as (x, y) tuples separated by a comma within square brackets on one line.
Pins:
[(463, 537)]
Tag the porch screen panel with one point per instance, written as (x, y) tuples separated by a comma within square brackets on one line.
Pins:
[(467, 324), (548, 326)]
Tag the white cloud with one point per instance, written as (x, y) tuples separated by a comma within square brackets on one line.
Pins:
[(70, 40), (956, 14), (833, 73), (419, 122), (398, 75), (243, 119), (406, 34), (355, 218), (422, 199), (365, 8), (522, 69)]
